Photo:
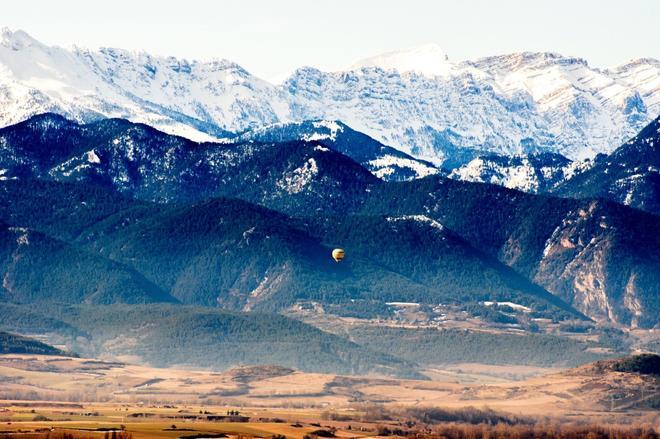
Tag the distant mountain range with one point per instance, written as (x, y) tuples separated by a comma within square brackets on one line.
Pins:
[(421, 240), (416, 101), (230, 253), (148, 201)]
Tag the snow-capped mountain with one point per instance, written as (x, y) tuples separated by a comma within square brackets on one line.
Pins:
[(511, 104), (383, 161), (533, 173), (630, 175), (418, 101), (195, 99), (139, 161)]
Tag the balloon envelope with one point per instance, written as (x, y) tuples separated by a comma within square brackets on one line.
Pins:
[(338, 254)]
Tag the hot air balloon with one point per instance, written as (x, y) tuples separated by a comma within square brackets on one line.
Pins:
[(338, 254)]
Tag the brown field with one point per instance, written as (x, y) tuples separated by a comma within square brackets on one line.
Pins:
[(83, 395)]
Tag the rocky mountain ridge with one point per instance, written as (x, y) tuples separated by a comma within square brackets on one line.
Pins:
[(448, 113)]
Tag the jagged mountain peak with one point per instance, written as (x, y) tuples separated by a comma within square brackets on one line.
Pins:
[(197, 99), (637, 62), (509, 104), (176, 64), (517, 103), (518, 60)]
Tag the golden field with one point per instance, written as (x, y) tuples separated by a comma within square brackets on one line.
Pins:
[(85, 395)]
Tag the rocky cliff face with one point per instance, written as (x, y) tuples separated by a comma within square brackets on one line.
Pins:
[(511, 104), (601, 269), (198, 100), (601, 257)]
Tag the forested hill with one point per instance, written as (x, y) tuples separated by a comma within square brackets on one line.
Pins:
[(16, 344)]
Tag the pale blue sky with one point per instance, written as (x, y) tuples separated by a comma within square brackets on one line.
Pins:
[(270, 38)]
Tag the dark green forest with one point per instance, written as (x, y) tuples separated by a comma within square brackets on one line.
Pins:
[(195, 259)]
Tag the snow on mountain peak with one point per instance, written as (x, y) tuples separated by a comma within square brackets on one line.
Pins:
[(16, 40), (428, 59), (449, 112), (520, 60), (196, 99)]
